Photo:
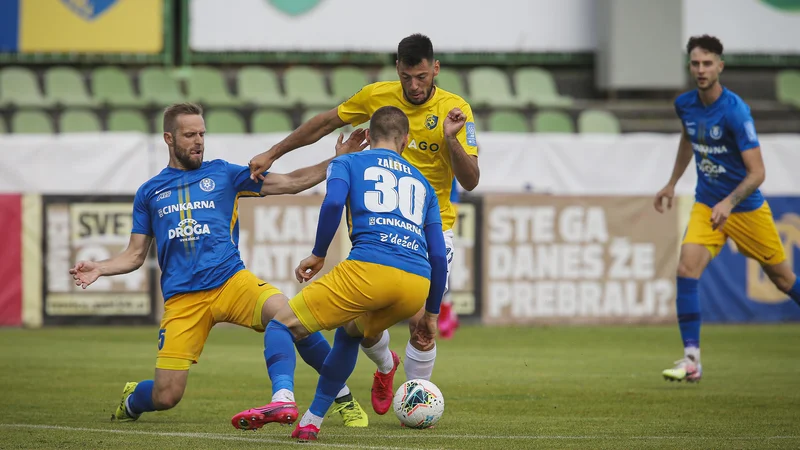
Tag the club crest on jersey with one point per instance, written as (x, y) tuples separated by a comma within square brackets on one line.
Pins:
[(207, 185), (716, 132), (431, 121), (89, 9)]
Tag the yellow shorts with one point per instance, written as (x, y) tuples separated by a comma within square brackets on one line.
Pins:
[(754, 233), (188, 318), (376, 296)]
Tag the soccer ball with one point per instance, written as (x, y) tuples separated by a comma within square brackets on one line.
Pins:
[(418, 404)]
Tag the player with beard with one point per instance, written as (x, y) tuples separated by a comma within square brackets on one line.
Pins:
[(437, 152), (718, 129), (191, 209)]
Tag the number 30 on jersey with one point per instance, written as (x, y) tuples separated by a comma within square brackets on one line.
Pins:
[(406, 193)]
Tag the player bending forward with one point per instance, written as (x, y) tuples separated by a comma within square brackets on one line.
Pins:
[(437, 147), (190, 209), (718, 129), (397, 260)]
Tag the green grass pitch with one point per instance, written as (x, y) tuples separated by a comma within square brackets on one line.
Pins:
[(537, 387)]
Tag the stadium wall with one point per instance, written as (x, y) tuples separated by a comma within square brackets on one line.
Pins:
[(561, 229)]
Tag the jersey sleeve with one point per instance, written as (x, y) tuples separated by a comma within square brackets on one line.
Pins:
[(339, 169), (356, 109), (432, 215), (141, 215), (467, 136), (740, 124), (240, 179)]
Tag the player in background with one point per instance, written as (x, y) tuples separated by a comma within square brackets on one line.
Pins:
[(719, 130), (190, 209), (439, 152), (448, 319), (396, 261)]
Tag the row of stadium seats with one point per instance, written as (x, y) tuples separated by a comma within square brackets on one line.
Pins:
[(787, 87), (260, 86), (229, 120)]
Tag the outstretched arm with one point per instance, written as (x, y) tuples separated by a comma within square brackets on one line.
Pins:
[(307, 177), (87, 272), (294, 182)]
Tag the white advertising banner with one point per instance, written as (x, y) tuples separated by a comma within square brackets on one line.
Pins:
[(530, 26), (377, 26), (746, 26), (576, 164)]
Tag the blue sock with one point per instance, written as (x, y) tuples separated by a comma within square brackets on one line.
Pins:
[(337, 369), (688, 306), (279, 355), (314, 349), (141, 400), (794, 292)]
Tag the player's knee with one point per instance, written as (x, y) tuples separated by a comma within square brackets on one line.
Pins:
[(688, 270), (166, 399)]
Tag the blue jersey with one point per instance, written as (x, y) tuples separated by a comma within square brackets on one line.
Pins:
[(389, 204), (719, 134), (454, 192), (193, 217)]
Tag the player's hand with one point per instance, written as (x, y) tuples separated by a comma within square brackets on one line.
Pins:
[(85, 273), (453, 123), (355, 143), (668, 192), (720, 213), (308, 268), (425, 331), (260, 164)]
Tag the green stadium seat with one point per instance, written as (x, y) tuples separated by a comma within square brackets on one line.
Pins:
[(265, 121), (508, 122), (489, 86), (159, 87), (537, 86), (311, 112), (223, 121), (451, 80), (206, 85), (552, 122), (31, 122), (126, 121), (787, 87), (387, 73), (113, 86), (79, 121), (18, 86), (260, 86), (598, 121), (306, 86), (65, 86), (346, 81)]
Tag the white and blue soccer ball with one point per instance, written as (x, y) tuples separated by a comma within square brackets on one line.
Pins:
[(418, 404)]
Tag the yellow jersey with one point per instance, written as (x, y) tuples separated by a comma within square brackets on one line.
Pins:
[(427, 149)]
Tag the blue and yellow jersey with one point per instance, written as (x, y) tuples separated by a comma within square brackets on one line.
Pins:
[(719, 134), (427, 149), (193, 217), (389, 204)]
